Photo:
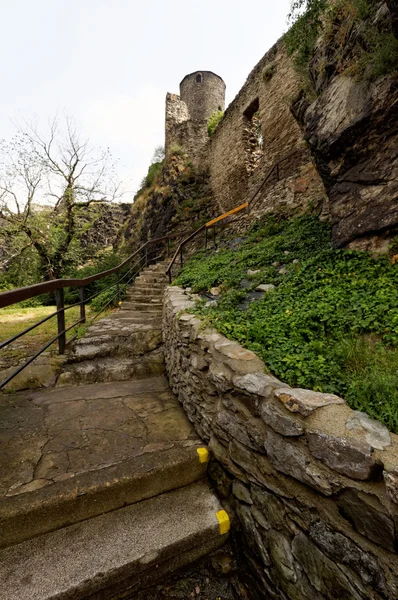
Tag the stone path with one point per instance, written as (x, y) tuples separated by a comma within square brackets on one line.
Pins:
[(108, 436)]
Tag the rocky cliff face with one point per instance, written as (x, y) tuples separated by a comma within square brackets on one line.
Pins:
[(352, 131), (180, 200)]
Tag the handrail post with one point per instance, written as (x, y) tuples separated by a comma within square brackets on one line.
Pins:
[(181, 258), (59, 298), (146, 255), (82, 305)]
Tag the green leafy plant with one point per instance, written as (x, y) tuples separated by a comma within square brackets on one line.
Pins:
[(213, 122), (331, 322), (373, 46)]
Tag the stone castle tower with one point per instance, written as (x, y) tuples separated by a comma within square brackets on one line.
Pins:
[(201, 94)]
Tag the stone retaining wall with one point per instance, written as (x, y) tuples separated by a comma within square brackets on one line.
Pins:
[(313, 485)]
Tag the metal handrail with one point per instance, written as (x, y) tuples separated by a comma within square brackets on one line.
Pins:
[(213, 222), (58, 285)]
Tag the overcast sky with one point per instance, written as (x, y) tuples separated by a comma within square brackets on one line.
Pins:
[(109, 63)]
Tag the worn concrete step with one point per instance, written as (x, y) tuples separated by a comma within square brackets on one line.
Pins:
[(97, 492), (112, 369), (113, 554), (76, 452)]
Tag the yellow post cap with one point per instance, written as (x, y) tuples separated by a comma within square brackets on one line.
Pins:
[(223, 521), (203, 455)]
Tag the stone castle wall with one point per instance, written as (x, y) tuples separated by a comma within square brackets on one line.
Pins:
[(201, 94), (202, 97), (312, 485), (344, 138), (273, 84)]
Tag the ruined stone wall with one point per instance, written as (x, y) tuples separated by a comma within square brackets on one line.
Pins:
[(269, 91), (312, 485), (201, 94), (176, 114)]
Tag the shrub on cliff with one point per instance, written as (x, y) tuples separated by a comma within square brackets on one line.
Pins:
[(356, 35), (213, 122), (330, 323)]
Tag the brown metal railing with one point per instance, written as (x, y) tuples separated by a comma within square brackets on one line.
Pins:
[(143, 257), (124, 274), (179, 253)]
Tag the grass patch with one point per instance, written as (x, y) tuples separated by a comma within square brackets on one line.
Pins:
[(15, 320), (330, 324)]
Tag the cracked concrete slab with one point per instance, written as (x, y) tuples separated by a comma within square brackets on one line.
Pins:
[(53, 437)]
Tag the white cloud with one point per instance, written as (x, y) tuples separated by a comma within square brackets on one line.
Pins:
[(132, 126)]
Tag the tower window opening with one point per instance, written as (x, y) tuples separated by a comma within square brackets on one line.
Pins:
[(199, 78), (253, 136)]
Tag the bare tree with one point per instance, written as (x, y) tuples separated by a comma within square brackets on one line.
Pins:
[(46, 181)]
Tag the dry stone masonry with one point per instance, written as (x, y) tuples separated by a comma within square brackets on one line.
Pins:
[(313, 484)]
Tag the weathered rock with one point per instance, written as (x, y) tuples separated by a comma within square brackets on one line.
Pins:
[(215, 291), (340, 549), (269, 506), (241, 361), (376, 434), (323, 574), (281, 555), (347, 456), (280, 420), (249, 433), (265, 287), (293, 459), (251, 272), (369, 517), (305, 401), (252, 535), (34, 376), (241, 492), (246, 284), (391, 481), (257, 383)]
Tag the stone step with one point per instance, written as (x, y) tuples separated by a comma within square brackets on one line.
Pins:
[(138, 340), (152, 277), (143, 299), (148, 291), (114, 554), (132, 317), (143, 289), (150, 309), (97, 492), (112, 369)]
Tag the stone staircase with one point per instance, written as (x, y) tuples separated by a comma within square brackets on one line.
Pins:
[(103, 487), (126, 344)]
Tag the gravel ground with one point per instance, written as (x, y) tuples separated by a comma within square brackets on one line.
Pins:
[(213, 578)]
